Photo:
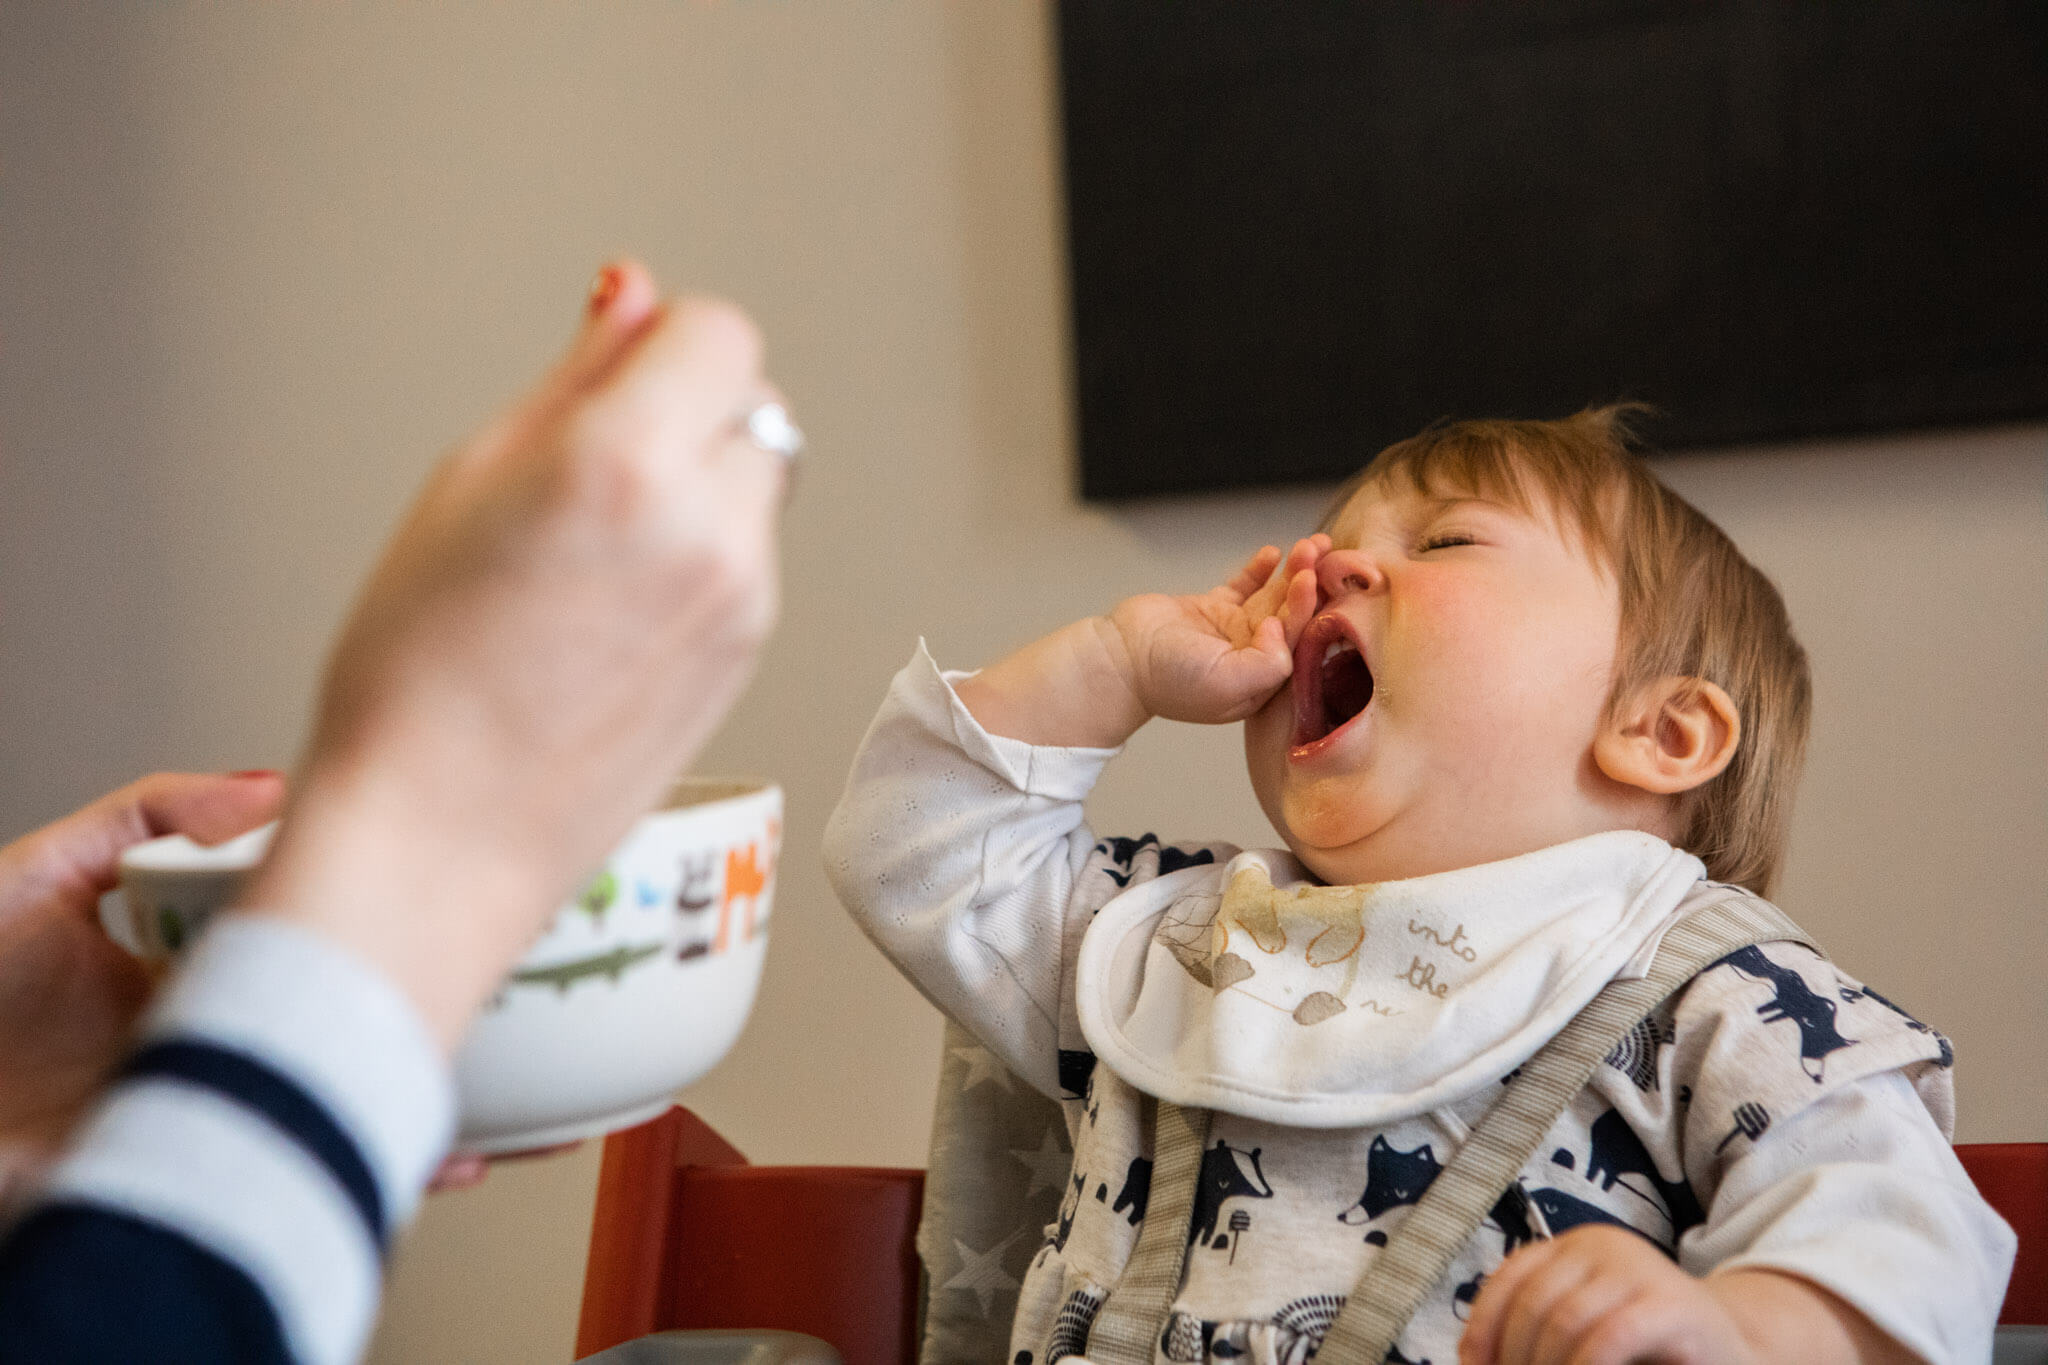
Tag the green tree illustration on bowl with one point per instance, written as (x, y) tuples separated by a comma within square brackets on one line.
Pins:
[(598, 894)]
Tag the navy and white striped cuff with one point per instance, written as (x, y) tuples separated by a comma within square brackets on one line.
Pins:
[(194, 1161), (284, 1110), (333, 1024)]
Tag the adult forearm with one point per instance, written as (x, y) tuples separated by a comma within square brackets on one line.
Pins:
[(577, 596), (443, 918)]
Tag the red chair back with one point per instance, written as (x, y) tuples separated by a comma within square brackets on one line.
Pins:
[(688, 1235), (2013, 1178)]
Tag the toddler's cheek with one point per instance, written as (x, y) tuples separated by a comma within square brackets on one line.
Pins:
[(1265, 760), (1332, 813), (1267, 735)]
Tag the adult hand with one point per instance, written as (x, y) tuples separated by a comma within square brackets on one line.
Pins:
[(69, 995), (572, 604)]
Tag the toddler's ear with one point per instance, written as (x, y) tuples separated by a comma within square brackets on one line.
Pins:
[(1670, 736)]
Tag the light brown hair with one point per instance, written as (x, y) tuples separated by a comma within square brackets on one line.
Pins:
[(1691, 605)]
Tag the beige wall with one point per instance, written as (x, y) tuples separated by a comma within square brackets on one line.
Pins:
[(258, 264)]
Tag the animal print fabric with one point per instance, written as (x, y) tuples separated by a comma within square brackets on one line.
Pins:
[(1286, 1220), (1758, 1119)]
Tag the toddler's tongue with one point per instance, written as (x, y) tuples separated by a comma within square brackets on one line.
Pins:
[(1347, 687), (1332, 682)]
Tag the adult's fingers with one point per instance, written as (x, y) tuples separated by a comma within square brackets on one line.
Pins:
[(621, 302), (208, 807), (748, 459), (687, 374), (78, 857), (459, 1171), (466, 1170)]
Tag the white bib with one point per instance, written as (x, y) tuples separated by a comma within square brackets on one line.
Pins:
[(1253, 990)]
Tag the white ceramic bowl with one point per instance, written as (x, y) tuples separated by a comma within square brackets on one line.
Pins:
[(638, 987)]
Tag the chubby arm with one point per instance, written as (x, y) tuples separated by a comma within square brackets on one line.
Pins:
[(1783, 1317), (1606, 1296), (958, 851), (1859, 1200), (959, 842), (1847, 1232)]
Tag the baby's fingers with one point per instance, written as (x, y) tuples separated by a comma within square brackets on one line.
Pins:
[(1271, 596), (1299, 608), (1481, 1344), (1305, 555), (1266, 661), (1254, 574), (1240, 680), (1645, 1327), (1270, 639), (1572, 1319), (1532, 1327)]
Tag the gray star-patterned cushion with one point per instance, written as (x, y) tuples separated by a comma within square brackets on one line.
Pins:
[(999, 1160)]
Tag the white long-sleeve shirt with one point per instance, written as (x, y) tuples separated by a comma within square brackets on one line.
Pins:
[(1775, 1113)]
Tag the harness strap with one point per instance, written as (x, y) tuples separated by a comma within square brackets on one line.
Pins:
[(1421, 1249), (1132, 1320), (1134, 1315)]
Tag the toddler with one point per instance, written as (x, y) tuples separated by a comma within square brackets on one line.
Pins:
[(1514, 711)]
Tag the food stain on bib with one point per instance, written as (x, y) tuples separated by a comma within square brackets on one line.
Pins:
[(1328, 922)]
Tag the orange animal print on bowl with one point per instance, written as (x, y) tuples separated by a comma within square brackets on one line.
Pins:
[(744, 881)]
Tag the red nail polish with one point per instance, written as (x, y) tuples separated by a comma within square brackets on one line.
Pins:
[(605, 288), (247, 774)]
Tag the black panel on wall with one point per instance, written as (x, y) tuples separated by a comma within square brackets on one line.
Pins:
[(1301, 229)]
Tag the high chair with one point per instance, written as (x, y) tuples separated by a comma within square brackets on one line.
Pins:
[(2013, 1177), (686, 1234)]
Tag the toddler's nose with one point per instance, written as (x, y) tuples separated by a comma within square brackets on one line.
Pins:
[(1347, 571)]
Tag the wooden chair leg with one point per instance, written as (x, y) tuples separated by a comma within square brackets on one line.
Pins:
[(623, 1279)]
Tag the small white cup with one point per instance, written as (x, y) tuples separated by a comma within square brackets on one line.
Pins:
[(640, 985)]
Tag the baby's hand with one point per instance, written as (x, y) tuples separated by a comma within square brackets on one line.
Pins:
[(1599, 1296), (1217, 656)]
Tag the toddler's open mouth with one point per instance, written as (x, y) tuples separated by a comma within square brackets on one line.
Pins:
[(1332, 684)]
